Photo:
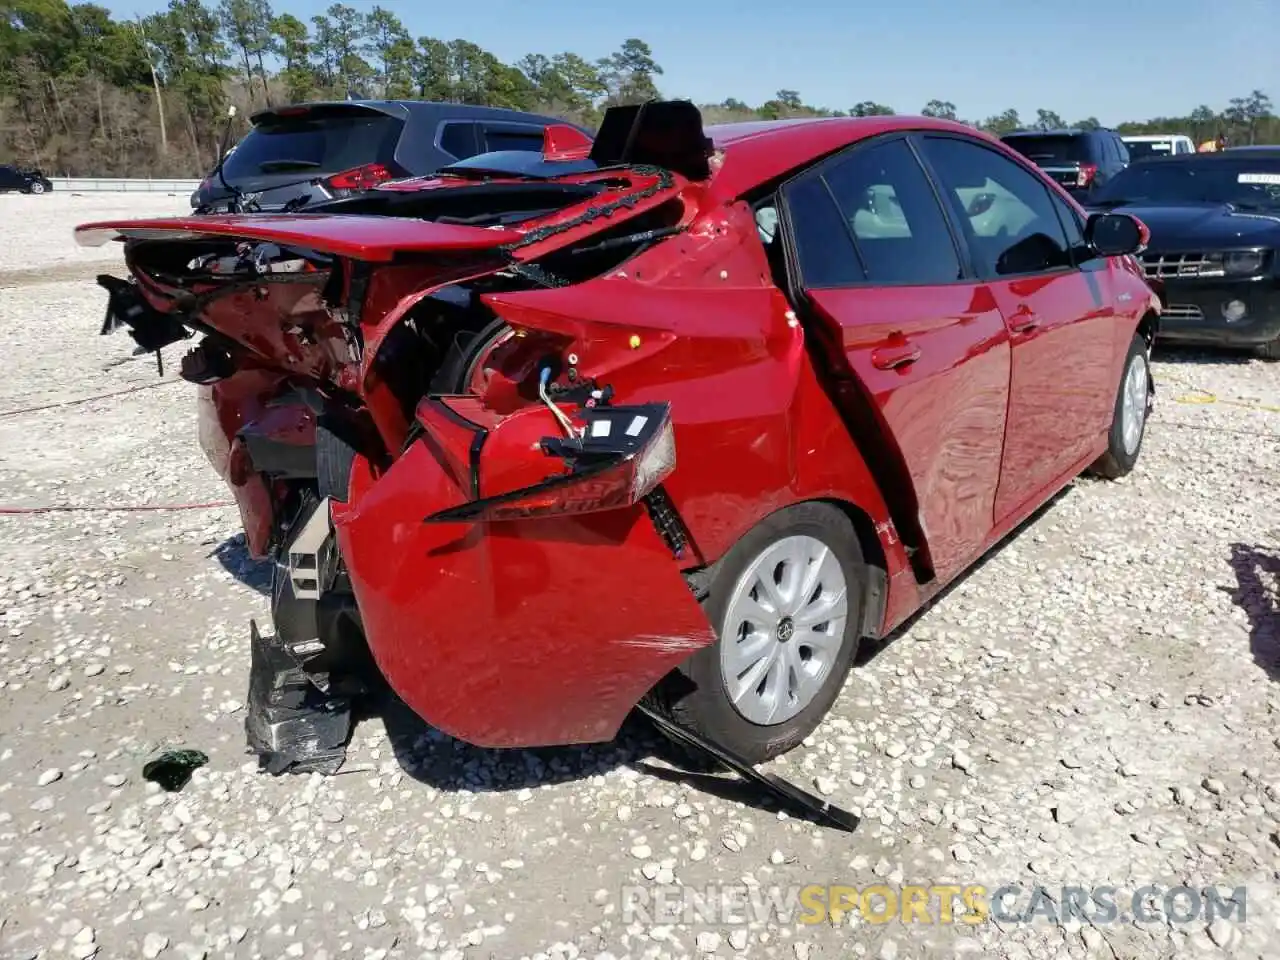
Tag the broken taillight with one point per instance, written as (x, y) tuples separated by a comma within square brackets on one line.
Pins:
[(360, 178), (620, 455), (1087, 172)]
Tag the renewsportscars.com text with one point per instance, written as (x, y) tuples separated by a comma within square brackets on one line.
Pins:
[(879, 903)]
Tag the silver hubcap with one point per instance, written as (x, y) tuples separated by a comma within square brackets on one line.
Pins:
[(37, 188), (1133, 408), (783, 629)]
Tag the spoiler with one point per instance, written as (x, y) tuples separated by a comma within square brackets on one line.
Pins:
[(368, 238), (661, 133)]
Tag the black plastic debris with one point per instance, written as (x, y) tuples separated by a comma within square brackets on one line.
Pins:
[(173, 768), (296, 722), (792, 795)]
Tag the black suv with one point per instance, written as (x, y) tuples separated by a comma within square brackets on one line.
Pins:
[(1081, 160), (27, 181), (312, 152)]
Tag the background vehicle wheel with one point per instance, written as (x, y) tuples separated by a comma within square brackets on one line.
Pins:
[(1129, 421), (1270, 351), (37, 187), (786, 603)]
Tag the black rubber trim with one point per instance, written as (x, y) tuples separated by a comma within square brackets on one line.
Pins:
[(794, 796)]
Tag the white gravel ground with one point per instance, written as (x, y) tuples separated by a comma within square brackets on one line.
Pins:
[(1093, 706)]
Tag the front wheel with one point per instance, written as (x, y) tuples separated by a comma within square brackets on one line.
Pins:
[(1129, 419), (36, 187), (786, 603)]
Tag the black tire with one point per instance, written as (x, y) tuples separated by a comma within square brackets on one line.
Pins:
[(456, 372), (37, 187), (1270, 351), (1118, 460), (695, 696)]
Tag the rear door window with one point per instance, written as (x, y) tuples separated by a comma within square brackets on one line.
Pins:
[(824, 246), (898, 226), (315, 144)]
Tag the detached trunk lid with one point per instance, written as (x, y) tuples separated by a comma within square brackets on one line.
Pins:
[(373, 239)]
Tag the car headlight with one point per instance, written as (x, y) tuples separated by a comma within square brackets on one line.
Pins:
[(1238, 263)]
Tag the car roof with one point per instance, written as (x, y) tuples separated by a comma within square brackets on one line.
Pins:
[(1265, 149), (757, 152), (1058, 132), (421, 109)]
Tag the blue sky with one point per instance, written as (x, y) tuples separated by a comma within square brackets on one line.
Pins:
[(1127, 59)]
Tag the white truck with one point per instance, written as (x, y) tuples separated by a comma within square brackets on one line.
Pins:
[(1158, 145)]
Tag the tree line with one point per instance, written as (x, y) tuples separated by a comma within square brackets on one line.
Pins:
[(83, 93)]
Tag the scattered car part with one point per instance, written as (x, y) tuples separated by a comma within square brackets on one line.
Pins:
[(172, 770), (295, 721), (821, 810)]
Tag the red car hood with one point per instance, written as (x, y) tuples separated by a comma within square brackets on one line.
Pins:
[(359, 237)]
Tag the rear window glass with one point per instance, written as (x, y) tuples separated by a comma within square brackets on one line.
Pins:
[(1051, 149), (1149, 148), (499, 139), (303, 146)]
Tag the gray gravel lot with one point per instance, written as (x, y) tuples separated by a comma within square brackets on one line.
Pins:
[(1093, 706)]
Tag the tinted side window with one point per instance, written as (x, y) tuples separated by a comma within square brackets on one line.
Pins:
[(509, 138), (1122, 150), (1012, 226), (824, 247), (899, 228), (459, 140)]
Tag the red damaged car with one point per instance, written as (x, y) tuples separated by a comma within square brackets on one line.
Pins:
[(685, 424)]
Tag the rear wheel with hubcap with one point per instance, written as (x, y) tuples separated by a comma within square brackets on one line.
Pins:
[(786, 603)]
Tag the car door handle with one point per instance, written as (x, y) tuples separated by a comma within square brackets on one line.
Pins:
[(1023, 320), (894, 356)]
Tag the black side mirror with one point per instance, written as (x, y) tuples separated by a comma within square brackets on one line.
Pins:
[(1116, 234)]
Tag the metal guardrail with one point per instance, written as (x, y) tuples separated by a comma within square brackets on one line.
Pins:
[(121, 185)]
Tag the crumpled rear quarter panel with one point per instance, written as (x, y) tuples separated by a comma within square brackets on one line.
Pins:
[(518, 633)]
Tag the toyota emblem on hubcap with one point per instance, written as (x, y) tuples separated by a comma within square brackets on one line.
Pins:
[(786, 629)]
